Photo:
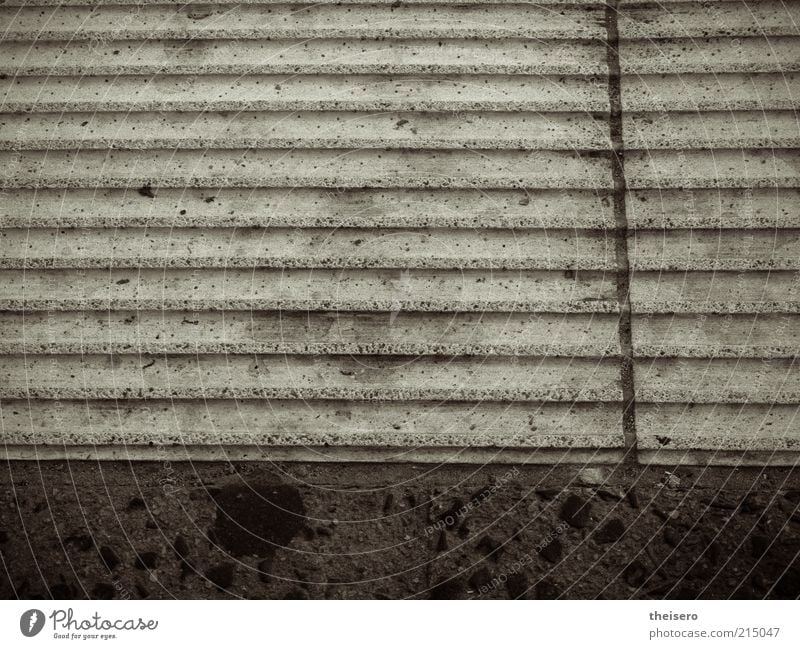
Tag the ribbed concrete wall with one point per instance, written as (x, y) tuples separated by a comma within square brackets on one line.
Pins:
[(400, 230), (709, 96)]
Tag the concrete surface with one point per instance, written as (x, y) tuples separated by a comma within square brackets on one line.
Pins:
[(252, 530), (518, 228)]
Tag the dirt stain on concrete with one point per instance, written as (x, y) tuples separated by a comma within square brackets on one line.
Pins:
[(257, 520)]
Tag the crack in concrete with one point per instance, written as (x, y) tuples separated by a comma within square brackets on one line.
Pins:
[(621, 230)]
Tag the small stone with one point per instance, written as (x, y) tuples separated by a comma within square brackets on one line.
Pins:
[(222, 575), (82, 542), (722, 502), (634, 574), (576, 511), (793, 496), (480, 579), (264, 571), (388, 503), (483, 494), (146, 560), (490, 547), (109, 557), (673, 536), (671, 480), (103, 591), (610, 532), (186, 568), (450, 517), (609, 495), (660, 513), (517, 586), (552, 551), (136, 504), (181, 546), (592, 476), (546, 589)]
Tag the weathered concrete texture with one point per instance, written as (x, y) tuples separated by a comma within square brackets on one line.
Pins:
[(288, 22), (343, 208), (331, 56), (161, 530), (306, 377), (363, 92), (693, 20), (370, 226), (286, 130), (313, 289), (297, 423), (306, 168), (309, 248), (275, 332)]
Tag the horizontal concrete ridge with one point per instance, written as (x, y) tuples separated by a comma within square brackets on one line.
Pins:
[(740, 209), (334, 423), (726, 19), (711, 55), (713, 130), (707, 169), (394, 248), (495, 21), (304, 168), (394, 455), (716, 292), (717, 336), (687, 427), (286, 130), (740, 380), (711, 92), (273, 332), (182, 3), (314, 289), (716, 250), (310, 248), (313, 207), (547, 3), (303, 377), (400, 231), (371, 93), (454, 56)]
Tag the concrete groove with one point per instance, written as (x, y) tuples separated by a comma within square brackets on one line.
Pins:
[(622, 229)]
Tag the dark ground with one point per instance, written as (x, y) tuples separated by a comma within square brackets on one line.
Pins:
[(257, 530)]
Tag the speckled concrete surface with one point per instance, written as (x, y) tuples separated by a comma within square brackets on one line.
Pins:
[(565, 231), (211, 530)]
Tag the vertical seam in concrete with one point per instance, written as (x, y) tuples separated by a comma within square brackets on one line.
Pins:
[(621, 229)]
